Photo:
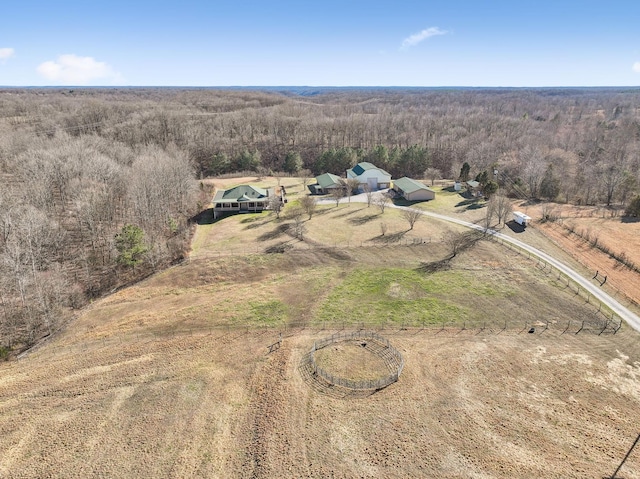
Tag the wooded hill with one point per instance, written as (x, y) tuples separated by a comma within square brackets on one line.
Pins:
[(98, 185)]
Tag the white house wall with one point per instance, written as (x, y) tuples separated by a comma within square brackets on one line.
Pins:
[(370, 176)]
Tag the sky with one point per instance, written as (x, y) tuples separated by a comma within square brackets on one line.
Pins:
[(484, 43)]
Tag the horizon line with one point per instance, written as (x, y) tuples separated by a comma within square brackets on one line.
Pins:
[(505, 87)]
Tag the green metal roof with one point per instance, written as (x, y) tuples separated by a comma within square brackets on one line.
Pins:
[(240, 193), (364, 166), (409, 185), (328, 180)]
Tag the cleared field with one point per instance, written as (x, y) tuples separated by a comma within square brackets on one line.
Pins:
[(172, 377)]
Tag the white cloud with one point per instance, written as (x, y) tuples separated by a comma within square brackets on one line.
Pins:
[(421, 36), (74, 70), (6, 53), (636, 67)]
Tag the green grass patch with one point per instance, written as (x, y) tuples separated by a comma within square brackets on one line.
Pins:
[(404, 296), (267, 312)]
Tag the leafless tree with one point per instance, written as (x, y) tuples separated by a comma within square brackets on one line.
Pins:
[(351, 185), (382, 201), (457, 241), (432, 174), (336, 195), (500, 206), (308, 204), (298, 227), (275, 205), (383, 228), (305, 175), (369, 194), (534, 168), (411, 215)]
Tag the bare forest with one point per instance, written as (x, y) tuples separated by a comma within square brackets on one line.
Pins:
[(98, 187)]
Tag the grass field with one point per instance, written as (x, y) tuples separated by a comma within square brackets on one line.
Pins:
[(172, 377)]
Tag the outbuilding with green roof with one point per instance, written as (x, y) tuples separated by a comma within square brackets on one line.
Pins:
[(325, 183), (412, 190)]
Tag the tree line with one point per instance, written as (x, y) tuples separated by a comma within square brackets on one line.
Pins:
[(98, 185)]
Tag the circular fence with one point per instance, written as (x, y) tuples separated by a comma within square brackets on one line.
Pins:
[(375, 344)]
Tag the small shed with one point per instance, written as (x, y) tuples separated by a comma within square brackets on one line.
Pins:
[(520, 218), (473, 187)]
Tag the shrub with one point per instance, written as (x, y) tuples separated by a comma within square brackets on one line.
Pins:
[(634, 207)]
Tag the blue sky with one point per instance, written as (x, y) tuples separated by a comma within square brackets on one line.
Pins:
[(330, 43)]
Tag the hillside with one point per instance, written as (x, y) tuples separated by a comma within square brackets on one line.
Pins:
[(172, 377)]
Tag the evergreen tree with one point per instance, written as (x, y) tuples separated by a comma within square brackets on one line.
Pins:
[(482, 178), (490, 188), (464, 171), (292, 162), (130, 245)]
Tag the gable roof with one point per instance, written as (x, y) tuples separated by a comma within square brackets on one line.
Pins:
[(328, 180), (364, 166), (409, 185), (241, 193), (473, 183)]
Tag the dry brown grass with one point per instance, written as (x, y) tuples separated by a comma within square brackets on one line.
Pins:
[(468, 404), (148, 382)]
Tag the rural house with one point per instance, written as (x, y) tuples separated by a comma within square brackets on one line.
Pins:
[(245, 199), (412, 190), (368, 174), (325, 183)]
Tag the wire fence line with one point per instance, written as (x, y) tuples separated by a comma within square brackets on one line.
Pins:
[(376, 344), (223, 334), (572, 285)]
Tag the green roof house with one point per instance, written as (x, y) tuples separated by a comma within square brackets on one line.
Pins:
[(412, 190), (370, 175), (244, 199), (325, 183)]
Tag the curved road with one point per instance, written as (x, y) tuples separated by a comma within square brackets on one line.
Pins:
[(627, 315)]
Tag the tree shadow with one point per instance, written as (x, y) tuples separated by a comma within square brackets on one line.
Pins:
[(279, 248), (435, 266), (254, 222), (466, 202), (389, 239), (629, 219), (348, 213), (362, 219), (274, 233), (476, 206)]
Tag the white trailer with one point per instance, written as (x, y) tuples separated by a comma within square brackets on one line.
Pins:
[(520, 218)]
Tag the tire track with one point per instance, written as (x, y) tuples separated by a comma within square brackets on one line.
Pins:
[(266, 419)]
